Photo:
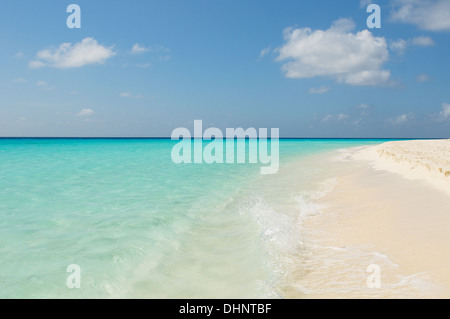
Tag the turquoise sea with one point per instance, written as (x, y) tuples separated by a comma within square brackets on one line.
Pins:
[(140, 226)]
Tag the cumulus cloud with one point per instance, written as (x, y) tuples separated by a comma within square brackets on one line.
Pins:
[(351, 58), (85, 113), (88, 51), (425, 14), (319, 90)]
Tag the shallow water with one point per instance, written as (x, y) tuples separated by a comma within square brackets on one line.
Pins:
[(139, 225)]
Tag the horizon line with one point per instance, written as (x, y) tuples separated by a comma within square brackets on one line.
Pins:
[(194, 138)]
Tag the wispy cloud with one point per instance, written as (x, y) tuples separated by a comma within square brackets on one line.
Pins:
[(137, 49), (164, 57), (319, 90), (363, 106), (157, 49), (264, 52), (21, 120), (425, 14), (85, 113), (20, 80), (399, 46), (445, 113), (365, 3), (422, 78), (44, 85), (336, 52), (335, 117), (144, 65), (129, 95), (423, 41), (401, 119), (86, 52), (137, 65)]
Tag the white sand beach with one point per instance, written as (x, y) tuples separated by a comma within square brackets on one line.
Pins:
[(427, 160), (390, 207)]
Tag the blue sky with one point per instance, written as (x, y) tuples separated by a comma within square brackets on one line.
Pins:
[(144, 68)]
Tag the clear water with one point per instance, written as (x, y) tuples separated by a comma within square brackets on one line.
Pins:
[(139, 225)]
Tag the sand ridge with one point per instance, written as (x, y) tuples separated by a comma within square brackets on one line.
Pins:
[(427, 160)]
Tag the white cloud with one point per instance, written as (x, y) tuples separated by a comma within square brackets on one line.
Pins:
[(264, 52), (85, 113), (19, 55), (319, 90), (165, 57), (398, 46), (363, 106), (422, 78), (20, 80), (401, 119), (41, 83), (352, 58), (423, 41), (137, 65), (88, 51), (144, 65), (365, 3), (44, 85), (129, 95), (159, 48), (137, 49), (335, 117), (426, 14), (445, 113)]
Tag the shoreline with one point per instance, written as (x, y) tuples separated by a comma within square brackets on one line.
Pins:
[(376, 216)]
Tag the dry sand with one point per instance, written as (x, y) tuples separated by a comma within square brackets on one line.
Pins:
[(427, 160), (391, 208)]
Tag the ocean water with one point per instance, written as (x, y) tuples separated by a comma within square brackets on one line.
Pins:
[(140, 226)]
